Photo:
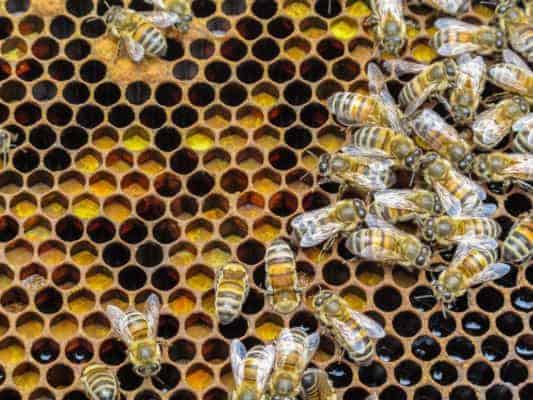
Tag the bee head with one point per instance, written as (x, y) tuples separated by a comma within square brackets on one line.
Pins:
[(413, 160), (418, 253), (149, 369), (283, 387), (112, 14), (484, 166), (450, 69), (442, 293), (500, 40), (320, 298), (428, 230), (393, 40), (462, 114), (324, 163), (522, 103), (464, 161)]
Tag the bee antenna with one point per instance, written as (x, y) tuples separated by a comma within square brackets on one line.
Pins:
[(159, 380)]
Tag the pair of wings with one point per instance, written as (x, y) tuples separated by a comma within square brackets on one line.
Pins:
[(469, 243), (431, 128), (525, 124), (522, 165), (390, 7), (316, 226), (379, 174), (472, 72), (238, 357), (455, 48), (373, 329), (506, 74), (119, 318), (398, 199), (287, 341), (447, 6), (323, 385)]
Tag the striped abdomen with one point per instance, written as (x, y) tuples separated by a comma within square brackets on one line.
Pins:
[(290, 360), (392, 214), (316, 385), (521, 143), (151, 39), (374, 137), (413, 89), (479, 227), (100, 382), (357, 343), (521, 38), (137, 325), (460, 189), (231, 290), (281, 277), (370, 242), (446, 36), (476, 261), (518, 245), (385, 175), (254, 365), (354, 108)]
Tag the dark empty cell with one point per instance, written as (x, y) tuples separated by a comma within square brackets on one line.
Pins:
[(168, 94), (59, 114), (79, 351), (340, 374), (26, 160), (494, 348), (201, 94), (62, 27), (251, 252), (233, 94), (328, 8), (217, 72), (12, 91), (373, 375), (304, 320), (132, 278), (298, 137), (116, 254), (443, 373), (45, 350), (92, 28), (425, 348), (149, 254), (459, 305), (253, 303), (235, 329), (185, 70), (153, 117), (314, 201), (89, 116), (389, 349), (92, 71), (522, 299), (234, 181), (249, 28), (128, 378), (79, 8), (280, 27), (388, 299), (499, 392), (249, 71), (182, 351), (76, 93), (77, 49), (69, 228), (107, 94), (460, 348), (149, 394), (101, 230), (168, 326), (330, 49), (509, 323), (150, 208), (513, 372), (346, 70), (264, 8), (475, 323), (427, 393), (166, 231), (62, 70), (526, 392), (57, 159), (265, 49), (121, 116), (314, 115), (336, 272), (48, 301), (74, 137), (389, 393), (6, 70), (16, 6), (313, 70), (282, 158), (42, 137), (233, 49), (281, 71), (167, 139), (233, 7), (489, 299), (175, 50), (6, 27), (422, 298), (282, 116), (508, 280), (524, 347), (29, 70), (44, 90), (517, 204), (480, 374), (27, 114), (4, 113), (133, 231), (10, 394), (184, 161), (167, 378), (165, 278), (202, 49), (297, 93), (506, 224), (259, 276), (113, 352), (203, 8), (283, 204), (408, 373)]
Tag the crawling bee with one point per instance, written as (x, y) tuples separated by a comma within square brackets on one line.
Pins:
[(378, 108), (523, 140), (231, 290), (251, 370), (451, 7), (325, 224), (316, 385), (431, 81), (458, 194), (382, 242), (180, 8), (506, 168), (447, 231), (431, 132), (517, 24), (518, 245), (514, 75), (389, 24), (491, 126), (352, 330), (99, 382), (294, 350), (474, 262), (465, 95), (6, 144), (139, 332), (283, 288), (456, 37), (402, 205)]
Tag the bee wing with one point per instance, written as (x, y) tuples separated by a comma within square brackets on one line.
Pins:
[(374, 221), (412, 107), (401, 67), (450, 203), (263, 373), (119, 322), (372, 327), (483, 210), (455, 24), (377, 85), (469, 242), (152, 309), (377, 177), (356, 151), (316, 225), (162, 19), (492, 272), (455, 48), (475, 68), (524, 123), (396, 198), (511, 57), (487, 129), (426, 122), (135, 49), (523, 165), (393, 7), (238, 354), (449, 6), (502, 74), (311, 345), (34, 282)]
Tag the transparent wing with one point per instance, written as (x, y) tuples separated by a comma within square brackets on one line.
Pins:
[(452, 23), (524, 123), (119, 322), (134, 49), (396, 198), (34, 282), (452, 49), (311, 345), (152, 308), (377, 176), (475, 68), (372, 327), (506, 75), (413, 106), (377, 85), (467, 243), (238, 354), (487, 129), (357, 151), (376, 252), (373, 221), (427, 123), (449, 6), (523, 165), (162, 19), (401, 67), (492, 272), (450, 203), (483, 210), (393, 7), (316, 225), (263, 372), (511, 57)]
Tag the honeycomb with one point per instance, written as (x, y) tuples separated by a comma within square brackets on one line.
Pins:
[(128, 180)]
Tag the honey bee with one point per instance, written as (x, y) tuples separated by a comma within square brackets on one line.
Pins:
[(139, 332), (518, 245), (514, 75), (294, 350), (382, 242), (492, 125), (402, 205), (517, 24), (431, 81), (316, 385), (378, 108), (360, 172), (465, 95), (6, 144), (431, 132), (231, 290), (281, 280), (451, 7), (34, 282), (474, 262), (447, 231), (352, 330), (389, 24), (99, 382), (506, 168), (251, 370), (314, 227), (458, 194), (180, 8), (456, 37), (523, 140)]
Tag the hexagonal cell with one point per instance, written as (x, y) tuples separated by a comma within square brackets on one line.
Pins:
[(105, 138), (72, 183), (422, 51), (37, 229), (216, 117), (369, 273), (313, 28), (216, 254), (81, 301), (103, 184), (182, 302), (52, 252), (251, 204), (63, 326), (265, 95), (216, 160), (135, 184), (54, 205), (267, 229), (184, 207), (199, 377), (267, 137), (234, 181), (12, 352), (14, 49), (99, 278), (96, 326), (118, 298), (182, 254), (88, 161), (66, 276), (249, 158), (151, 162), (268, 326), (18, 253), (136, 138), (83, 253), (23, 205), (233, 138), (344, 28), (30, 325), (6, 276), (200, 139), (233, 230), (355, 297), (250, 117), (119, 161), (26, 377), (266, 181), (199, 230), (200, 278), (198, 325)]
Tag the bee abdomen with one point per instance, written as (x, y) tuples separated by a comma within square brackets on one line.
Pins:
[(153, 41), (517, 246), (521, 143)]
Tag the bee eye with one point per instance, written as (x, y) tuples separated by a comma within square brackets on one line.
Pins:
[(421, 260)]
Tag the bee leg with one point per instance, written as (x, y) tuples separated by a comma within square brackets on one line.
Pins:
[(493, 98)]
